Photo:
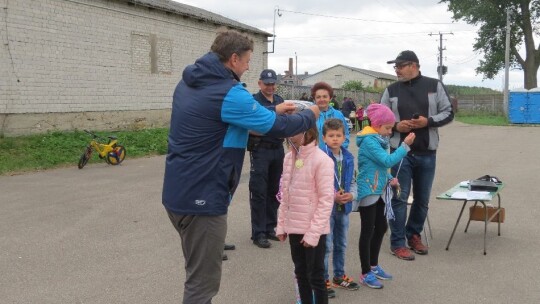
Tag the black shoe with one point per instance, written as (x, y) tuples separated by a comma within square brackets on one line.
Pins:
[(272, 236), (229, 247), (262, 242), (224, 257)]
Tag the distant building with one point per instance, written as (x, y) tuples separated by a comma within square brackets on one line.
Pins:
[(290, 77), (102, 64), (337, 75)]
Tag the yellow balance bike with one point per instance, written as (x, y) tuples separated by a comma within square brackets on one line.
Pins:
[(112, 152)]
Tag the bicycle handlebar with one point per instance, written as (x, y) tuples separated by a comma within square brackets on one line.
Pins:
[(99, 137), (93, 135)]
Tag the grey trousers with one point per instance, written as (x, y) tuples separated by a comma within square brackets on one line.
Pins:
[(203, 238)]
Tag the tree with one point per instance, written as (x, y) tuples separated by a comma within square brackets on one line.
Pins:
[(490, 15), (353, 85), (357, 85)]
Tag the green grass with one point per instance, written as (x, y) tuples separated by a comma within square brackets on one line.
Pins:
[(480, 118), (59, 149)]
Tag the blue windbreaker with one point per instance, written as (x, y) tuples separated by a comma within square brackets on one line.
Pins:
[(347, 175), (211, 115)]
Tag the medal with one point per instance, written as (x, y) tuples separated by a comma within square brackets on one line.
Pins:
[(299, 163)]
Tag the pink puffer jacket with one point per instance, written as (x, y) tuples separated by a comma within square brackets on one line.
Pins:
[(307, 194)]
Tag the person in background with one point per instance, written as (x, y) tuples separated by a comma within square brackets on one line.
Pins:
[(334, 103), (345, 192), (322, 93), (306, 196), (348, 107), (420, 105), (304, 96), (266, 157), (374, 160), (211, 115)]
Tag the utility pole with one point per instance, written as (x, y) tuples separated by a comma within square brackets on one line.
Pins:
[(506, 64), (441, 69)]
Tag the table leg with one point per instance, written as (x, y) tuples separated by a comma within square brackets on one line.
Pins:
[(457, 222), (485, 224), (499, 215), (469, 221)]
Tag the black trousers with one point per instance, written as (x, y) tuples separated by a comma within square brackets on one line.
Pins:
[(373, 227), (309, 269), (265, 173)]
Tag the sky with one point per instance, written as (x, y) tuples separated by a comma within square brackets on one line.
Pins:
[(363, 34)]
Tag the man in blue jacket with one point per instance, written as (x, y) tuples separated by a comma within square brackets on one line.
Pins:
[(211, 115)]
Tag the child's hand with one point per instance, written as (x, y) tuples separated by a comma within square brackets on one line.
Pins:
[(306, 244), (282, 237), (409, 139), (341, 197), (394, 182)]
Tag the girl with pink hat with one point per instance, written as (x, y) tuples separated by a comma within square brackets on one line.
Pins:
[(374, 163)]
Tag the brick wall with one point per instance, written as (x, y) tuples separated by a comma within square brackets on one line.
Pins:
[(65, 56)]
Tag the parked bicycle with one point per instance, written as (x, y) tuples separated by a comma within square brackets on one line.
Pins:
[(112, 152)]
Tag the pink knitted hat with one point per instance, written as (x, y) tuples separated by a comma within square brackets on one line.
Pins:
[(380, 115)]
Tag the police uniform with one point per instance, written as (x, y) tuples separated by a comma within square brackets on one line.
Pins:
[(266, 156)]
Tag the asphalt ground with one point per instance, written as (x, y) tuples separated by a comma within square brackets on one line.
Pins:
[(101, 235)]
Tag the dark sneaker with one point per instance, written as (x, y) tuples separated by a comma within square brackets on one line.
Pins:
[(262, 242), (272, 236), (331, 292), (345, 282), (229, 247), (403, 253), (224, 257), (415, 243)]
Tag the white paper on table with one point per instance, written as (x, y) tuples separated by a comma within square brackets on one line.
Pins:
[(472, 195)]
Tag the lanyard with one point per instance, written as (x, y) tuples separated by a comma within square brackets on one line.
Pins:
[(338, 173), (340, 178)]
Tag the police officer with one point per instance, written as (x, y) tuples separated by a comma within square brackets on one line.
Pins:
[(266, 156)]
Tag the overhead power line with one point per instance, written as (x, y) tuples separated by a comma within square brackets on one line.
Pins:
[(367, 35), (361, 19)]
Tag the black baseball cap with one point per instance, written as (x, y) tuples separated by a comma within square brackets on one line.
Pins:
[(268, 76), (405, 56)]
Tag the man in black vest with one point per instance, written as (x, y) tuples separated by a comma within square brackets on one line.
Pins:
[(421, 105)]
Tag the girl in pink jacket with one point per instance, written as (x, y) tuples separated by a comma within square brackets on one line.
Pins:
[(307, 197)]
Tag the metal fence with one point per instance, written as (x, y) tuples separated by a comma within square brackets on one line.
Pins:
[(492, 103), (481, 103), (292, 92)]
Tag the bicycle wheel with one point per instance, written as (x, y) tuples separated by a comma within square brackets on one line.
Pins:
[(116, 156), (85, 157)]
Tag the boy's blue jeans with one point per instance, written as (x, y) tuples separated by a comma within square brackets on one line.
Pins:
[(417, 171), (336, 241)]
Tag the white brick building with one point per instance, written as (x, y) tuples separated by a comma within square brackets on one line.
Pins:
[(101, 64)]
